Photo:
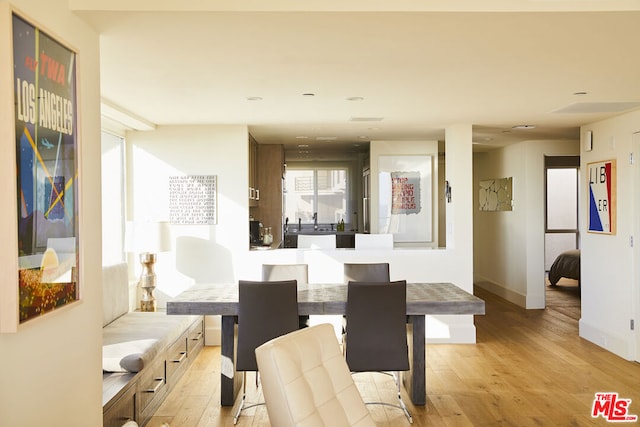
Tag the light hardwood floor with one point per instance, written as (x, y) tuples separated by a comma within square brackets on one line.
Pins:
[(528, 368)]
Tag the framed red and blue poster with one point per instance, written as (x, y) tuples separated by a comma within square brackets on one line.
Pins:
[(602, 197)]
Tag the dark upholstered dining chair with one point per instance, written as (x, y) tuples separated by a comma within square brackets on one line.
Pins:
[(298, 272), (266, 310), (376, 333), (366, 272)]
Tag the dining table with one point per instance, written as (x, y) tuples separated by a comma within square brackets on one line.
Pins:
[(328, 299)]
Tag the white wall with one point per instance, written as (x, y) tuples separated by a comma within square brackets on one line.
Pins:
[(202, 253), (51, 368), (509, 245), (607, 271)]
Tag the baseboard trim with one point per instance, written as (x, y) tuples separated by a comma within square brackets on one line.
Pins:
[(507, 294), (616, 344)]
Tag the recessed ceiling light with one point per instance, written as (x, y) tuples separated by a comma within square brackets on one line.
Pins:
[(580, 93), (524, 127), (355, 98), (303, 145), (254, 98), (309, 94), (302, 137), (326, 138), (363, 137)]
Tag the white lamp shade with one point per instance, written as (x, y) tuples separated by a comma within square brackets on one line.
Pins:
[(146, 236)]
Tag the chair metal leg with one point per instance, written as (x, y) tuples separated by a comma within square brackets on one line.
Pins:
[(244, 396), (398, 380), (243, 405)]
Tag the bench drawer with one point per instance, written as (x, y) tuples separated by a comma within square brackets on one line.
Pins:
[(122, 410), (152, 387), (176, 357), (195, 342)]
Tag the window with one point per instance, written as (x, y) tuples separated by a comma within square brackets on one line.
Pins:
[(112, 198), (321, 190)]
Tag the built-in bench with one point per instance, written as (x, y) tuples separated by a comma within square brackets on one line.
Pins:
[(143, 355)]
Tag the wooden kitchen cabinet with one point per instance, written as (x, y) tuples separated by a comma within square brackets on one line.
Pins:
[(270, 171), (254, 191)]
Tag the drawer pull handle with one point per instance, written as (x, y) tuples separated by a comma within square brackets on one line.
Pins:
[(183, 355), (197, 337), (157, 387)]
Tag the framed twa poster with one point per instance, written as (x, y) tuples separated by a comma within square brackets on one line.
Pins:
[(602, 197), (46, 154)]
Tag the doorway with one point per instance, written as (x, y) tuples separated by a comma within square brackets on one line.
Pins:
[(562, 182)]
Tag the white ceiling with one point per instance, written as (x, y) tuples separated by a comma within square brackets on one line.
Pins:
[(419, 67)]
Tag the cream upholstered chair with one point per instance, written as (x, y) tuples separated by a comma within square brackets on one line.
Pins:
[(306, 381), (316, 241), (374, 241)]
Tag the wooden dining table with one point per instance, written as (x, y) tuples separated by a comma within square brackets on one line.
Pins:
[(328, 299)]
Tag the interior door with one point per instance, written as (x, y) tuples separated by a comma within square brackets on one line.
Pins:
[(636, 242)]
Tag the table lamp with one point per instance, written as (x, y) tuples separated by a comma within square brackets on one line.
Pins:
[(147, 239)]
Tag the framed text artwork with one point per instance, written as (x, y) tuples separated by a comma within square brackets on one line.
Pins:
[(602, 197), (405, 193), (44, 73), (193, 199)]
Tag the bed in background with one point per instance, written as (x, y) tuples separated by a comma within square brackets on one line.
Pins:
[(567, 265)]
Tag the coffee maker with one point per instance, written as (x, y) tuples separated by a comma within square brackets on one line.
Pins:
[(255, 232)]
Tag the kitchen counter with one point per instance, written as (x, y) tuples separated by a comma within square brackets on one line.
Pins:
[(320, 230)]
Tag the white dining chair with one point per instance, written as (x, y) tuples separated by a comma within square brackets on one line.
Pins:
[(316, 241)]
